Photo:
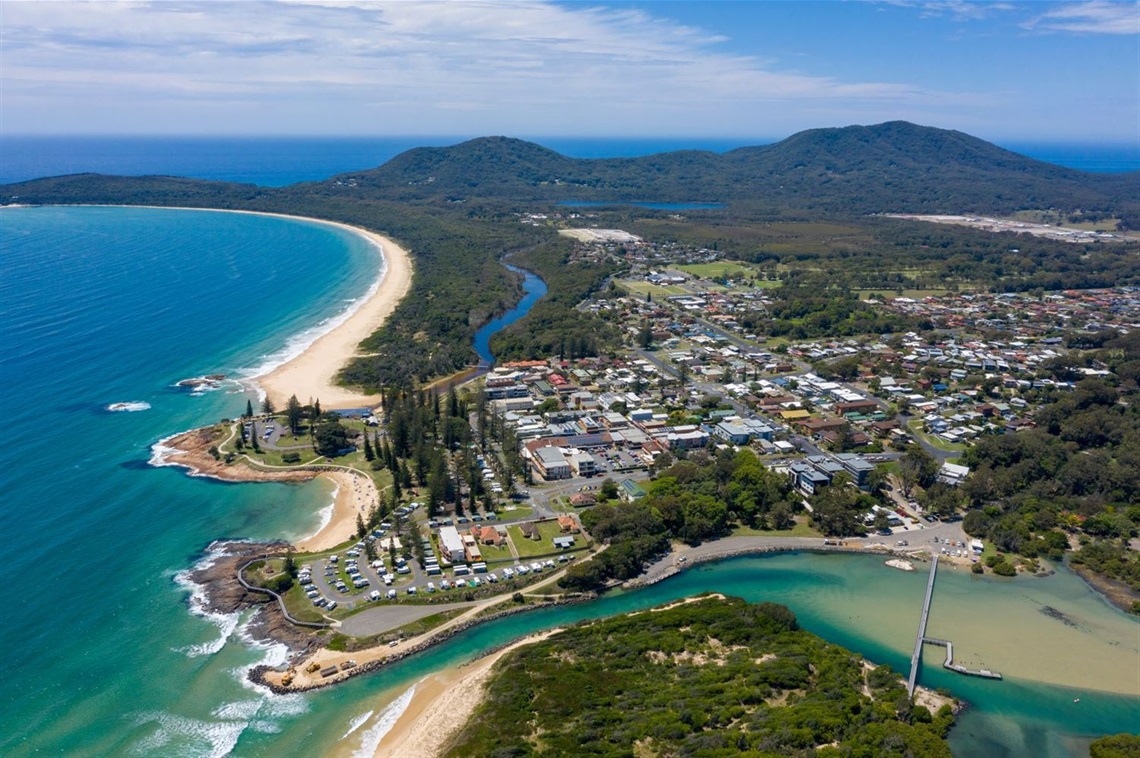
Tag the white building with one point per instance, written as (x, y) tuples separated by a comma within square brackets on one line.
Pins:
[(451, 545)]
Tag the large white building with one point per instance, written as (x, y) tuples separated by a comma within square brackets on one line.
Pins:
[(451, 545)]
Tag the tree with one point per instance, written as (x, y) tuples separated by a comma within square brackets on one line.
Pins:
[(609, 490), (267, 405), (248, 409), (645, 336), (882, 521), (293, 414), (781, 516), (369, 454), (917, 467), (330, 437)]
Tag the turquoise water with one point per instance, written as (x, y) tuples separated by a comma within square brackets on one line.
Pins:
[(105, 652), (105, 305)]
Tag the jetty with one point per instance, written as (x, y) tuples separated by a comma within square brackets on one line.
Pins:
[(949, 662), (916, 656), (921, 639)]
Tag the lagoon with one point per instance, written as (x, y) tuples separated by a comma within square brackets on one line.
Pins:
[(857, 602)]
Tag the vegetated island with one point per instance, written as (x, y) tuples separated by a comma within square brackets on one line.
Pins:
[(710, 675)]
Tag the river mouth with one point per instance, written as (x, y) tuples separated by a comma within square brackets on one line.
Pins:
[(855, 601)]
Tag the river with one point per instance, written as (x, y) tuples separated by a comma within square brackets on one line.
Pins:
[(857, 602), (533, 290)]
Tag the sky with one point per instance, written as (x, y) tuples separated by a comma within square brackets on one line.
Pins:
[(1026, 71)]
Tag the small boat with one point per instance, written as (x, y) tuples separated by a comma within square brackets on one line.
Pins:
[(1076, 700)]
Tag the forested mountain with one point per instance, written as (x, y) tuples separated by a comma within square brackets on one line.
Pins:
[(895, 166), (891, 167)]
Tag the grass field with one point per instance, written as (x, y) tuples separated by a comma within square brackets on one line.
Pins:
[(716, 270), (493, 554), (515, 512), (528, 547), (645, 288), (915, 427), (801, 529)]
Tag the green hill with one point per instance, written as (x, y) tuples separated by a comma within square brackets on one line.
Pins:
[(896, 166)]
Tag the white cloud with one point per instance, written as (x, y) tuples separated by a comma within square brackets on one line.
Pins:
[(394, 67), (1095, 17)]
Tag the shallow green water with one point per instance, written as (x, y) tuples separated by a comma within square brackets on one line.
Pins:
[(852, 600)]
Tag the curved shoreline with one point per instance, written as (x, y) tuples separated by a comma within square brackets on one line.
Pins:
[(305, 374)]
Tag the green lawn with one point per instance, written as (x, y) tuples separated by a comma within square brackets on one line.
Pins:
[(516, 512), (300, 606), (495, 554), (645, 288), (801, 529), (915, 427), (528, 547)]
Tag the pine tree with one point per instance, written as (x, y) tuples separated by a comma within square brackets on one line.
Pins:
[(248, 409), (368, 453), (267, 406)]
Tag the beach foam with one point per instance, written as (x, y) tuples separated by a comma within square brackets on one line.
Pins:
[(225, 622), (326, 515), (301, 341), (356, 723), (132, 406), (387, 719), (221, 737)]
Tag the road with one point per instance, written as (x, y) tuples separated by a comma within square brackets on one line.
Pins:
[(920, 539)]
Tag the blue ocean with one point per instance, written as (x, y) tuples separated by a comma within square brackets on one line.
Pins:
[(107, 648), (276, 162)]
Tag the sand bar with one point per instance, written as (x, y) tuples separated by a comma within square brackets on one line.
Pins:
[(441, 705)]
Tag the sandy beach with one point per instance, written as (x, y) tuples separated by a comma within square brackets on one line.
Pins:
[(312, 374), (441, 705), (355, 494)]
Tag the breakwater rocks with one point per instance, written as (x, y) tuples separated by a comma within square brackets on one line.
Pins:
[(258, 674), (221, 591)]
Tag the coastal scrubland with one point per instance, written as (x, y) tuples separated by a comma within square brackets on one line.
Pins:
[(715, 676)]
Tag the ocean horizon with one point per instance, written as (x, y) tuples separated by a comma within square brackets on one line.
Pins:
[(280, 161)]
